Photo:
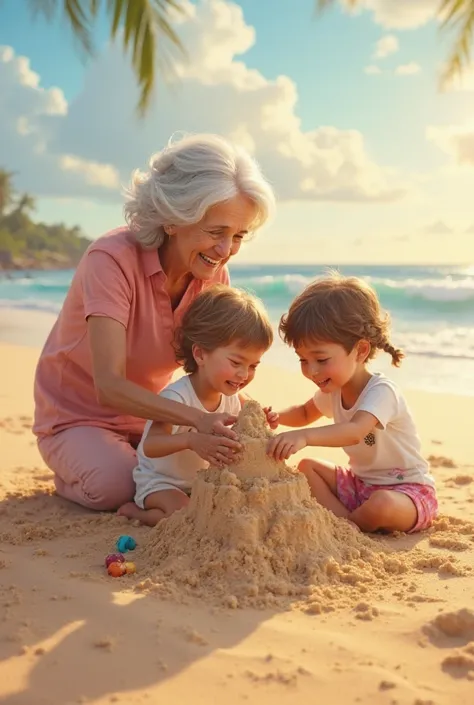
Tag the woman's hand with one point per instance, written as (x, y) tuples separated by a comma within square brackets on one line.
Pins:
[(108, 344), (223, 445), (286, 444), (218, 424), (213, 448), (273, 418)]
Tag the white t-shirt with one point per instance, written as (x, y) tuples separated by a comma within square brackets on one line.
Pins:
[(179, 469), (391, 453)]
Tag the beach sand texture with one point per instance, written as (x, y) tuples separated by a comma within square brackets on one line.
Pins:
[(217, 614)]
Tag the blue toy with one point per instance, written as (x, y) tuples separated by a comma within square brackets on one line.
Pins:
[(126, 543)]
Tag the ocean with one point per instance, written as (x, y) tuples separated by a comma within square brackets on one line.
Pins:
[(432, 311)]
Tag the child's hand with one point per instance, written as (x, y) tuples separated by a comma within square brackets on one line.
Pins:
[(212, 448), (273, 419), (218, 423), (286, 444)]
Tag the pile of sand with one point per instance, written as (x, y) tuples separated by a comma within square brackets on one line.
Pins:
[(252, 535)]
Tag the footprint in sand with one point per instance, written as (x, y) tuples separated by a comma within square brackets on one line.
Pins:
[(461, 480), (17, 425), (452, 543), (439, 461), (451, 628), (454, 629), (460, 663), (453, 525)]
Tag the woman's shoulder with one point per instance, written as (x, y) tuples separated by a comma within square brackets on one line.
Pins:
[(116, 250), (118, 243)]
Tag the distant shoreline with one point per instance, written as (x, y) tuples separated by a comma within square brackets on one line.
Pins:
[(56, 263), (52, 265)]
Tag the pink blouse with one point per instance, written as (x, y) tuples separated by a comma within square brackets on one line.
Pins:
[(116, 278)]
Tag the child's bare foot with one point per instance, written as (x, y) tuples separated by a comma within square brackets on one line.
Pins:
[(128, 510), (149, 517)]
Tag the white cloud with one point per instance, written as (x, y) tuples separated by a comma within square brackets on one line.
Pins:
[(385, 46), (409, 69), (97, 140), (373, 70), (30, 99), (398, 14), (28, 116), (439, 227), (456, 141), (93, 173)]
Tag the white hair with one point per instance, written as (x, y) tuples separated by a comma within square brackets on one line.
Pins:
[(188, 177)]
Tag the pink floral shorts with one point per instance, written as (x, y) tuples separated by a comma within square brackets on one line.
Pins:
[(352, 491)]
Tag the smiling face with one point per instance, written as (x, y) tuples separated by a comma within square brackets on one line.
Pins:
[(227, 370), (329, 365), (202, 248)]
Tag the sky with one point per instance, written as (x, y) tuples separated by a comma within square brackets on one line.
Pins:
[(371, 161)]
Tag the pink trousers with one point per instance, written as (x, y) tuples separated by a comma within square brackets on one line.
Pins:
[(92, 466)]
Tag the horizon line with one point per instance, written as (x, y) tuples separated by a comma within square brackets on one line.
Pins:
[(239, 263)]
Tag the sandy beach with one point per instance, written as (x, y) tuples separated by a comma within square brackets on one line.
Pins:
[(71, 634)]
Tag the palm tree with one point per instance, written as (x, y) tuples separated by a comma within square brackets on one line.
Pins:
[(144, 24), (25, 204), (6, 190), (457, 15)]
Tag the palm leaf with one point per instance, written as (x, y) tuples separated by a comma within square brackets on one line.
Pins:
[(323, 4), (146, 29), (7, 190), (76, 15), (143, 22), (455, 15), (145, 26), (458, 14)]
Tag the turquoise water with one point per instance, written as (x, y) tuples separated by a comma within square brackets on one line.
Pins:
[(432, 310)]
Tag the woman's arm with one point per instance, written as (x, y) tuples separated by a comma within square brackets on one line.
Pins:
[(300, 415), (160, 441), (108, 348)]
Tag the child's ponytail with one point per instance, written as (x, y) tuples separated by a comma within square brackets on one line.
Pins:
[(396, 354)]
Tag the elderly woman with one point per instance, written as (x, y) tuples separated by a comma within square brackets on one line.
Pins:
[(111, 349)]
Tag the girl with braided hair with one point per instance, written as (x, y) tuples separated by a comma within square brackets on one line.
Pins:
[(336, 326)]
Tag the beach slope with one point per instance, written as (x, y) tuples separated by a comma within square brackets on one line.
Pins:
[(71, 634)]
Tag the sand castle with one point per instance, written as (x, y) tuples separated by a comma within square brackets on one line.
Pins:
[(252, 534)]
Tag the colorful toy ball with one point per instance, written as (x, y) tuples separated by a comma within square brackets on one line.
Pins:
[(126, 543), (116, 570), (130, 567), (114, 558)]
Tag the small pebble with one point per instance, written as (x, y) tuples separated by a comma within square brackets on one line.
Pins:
[(116, 570), (126, 543), (114, 558)]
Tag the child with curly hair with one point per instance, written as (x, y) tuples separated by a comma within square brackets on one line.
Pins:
[(336, 326)]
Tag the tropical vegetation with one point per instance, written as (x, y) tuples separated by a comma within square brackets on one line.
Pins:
[(27, 244)]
